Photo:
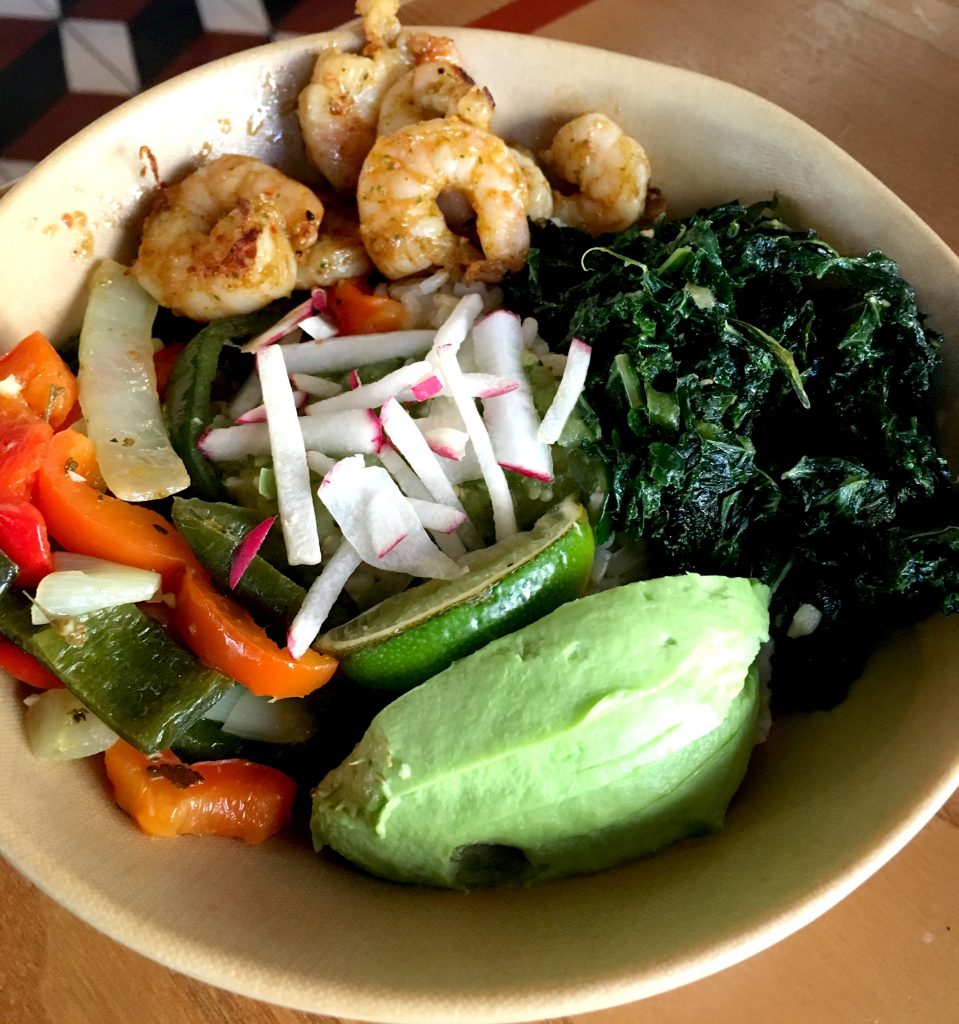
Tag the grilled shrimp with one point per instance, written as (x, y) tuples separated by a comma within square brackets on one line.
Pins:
[(338, 252), (225, 240), (539, 206), (381, 23), (401, 224), (610, 168), (435, 88), (338, 110)]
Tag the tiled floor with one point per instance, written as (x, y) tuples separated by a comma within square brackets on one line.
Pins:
[(65, 62)]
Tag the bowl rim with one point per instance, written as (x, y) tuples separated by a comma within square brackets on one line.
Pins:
[(596, 992)]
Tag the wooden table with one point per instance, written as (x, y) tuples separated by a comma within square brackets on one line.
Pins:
[(881, 78)]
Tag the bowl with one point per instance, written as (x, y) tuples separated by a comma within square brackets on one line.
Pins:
[(828, 799)]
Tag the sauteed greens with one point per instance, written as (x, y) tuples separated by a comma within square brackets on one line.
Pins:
[(765, 410)]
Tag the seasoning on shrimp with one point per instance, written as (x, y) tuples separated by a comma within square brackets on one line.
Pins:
[(435, 88), (225, 240), (610, 168), (401, 223)]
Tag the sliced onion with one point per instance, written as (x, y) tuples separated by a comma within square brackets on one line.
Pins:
[(504, 515), (511, 419), (320, 598), (372, 396), (79, 591), (293, 491), (567, 394), (337, 355), (222, 708), (378, 520), (316, 303), (343, 433), (290, 720), (118, 392), (59, 727), (247, 548)]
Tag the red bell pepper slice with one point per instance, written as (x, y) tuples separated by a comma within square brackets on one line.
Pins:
[(26, 668), (24, 540)]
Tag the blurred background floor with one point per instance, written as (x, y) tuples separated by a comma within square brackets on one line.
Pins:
[(63, 63)]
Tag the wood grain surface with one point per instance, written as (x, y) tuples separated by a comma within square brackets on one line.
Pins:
[(880, 78)]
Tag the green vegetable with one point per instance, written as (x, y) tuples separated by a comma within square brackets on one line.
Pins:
[(190, 392), (123, 667), (8, 572), (765, 410), (214, 531)]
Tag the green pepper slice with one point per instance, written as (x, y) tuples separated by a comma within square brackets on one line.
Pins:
[(123, 666)]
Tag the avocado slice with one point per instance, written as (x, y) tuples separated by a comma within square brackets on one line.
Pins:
[(612, 727)]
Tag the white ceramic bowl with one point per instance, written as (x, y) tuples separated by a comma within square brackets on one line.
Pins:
[(827, 801)]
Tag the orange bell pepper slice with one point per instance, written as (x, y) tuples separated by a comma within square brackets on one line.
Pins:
[(83, 519), (166, 797), (224, 636), (24, 438), (47, 384), (359, 312), (26, 668)]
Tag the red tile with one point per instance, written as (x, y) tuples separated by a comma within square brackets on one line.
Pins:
[(17, 35), (108, 10), (527, 15), (60, 122), (206, 47), (313, 17)]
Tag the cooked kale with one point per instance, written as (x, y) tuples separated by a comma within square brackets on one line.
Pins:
[(766, 410)]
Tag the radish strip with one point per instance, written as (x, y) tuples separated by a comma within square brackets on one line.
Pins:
[(320, 598), (372, 396), (426, 389), (457, 325), (318, 387), (354, 380), (433, 516), (283, 326), (447, 442), (293, 491), (320, 463), (246, 549), (504, 515), (511, 419), (248, 397), (336, 355), (318, 328), (258, 415), (567, 394), (378, 520), (340, 434), (407, 481)]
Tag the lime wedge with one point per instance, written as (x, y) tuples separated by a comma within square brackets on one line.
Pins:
[(411, 636)]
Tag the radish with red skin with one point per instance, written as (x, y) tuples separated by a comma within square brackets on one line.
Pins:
[(320, 598), (567, 394), (246, 549), (339, 434), (258, 415), (511, 419), (316, 303), (373, 395), (345, 352)]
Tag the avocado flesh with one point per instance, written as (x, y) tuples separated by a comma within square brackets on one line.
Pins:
[(614, 726)]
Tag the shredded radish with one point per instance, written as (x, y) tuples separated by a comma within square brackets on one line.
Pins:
[(320, 598), (318, 387), (447, 442), (340, 434), (345, 352), (511, 419), (258, 415), (320, 463), (316, 303), (456, 326), (433, 516), (248, 397), (504, 515), (246, 549), (293, 490), (567, 394), (372, 396), (379, 521), (407, 481), (318, 327), (402, 430), (354, 380), (426, 389)]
